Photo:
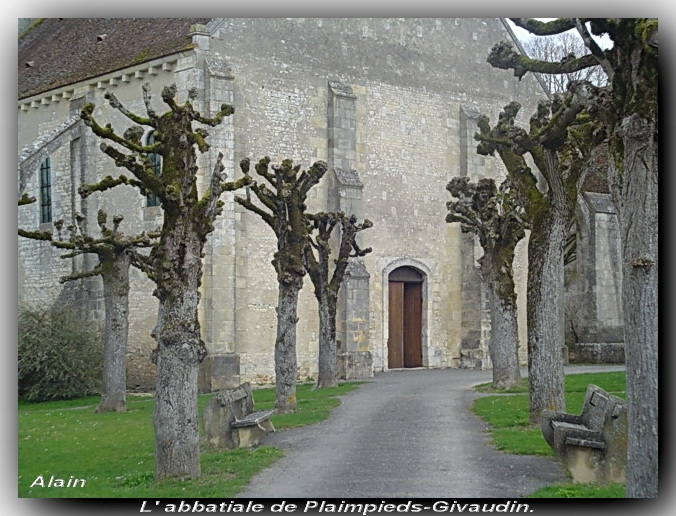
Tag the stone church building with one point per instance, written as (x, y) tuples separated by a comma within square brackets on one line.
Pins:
[(389, 103)]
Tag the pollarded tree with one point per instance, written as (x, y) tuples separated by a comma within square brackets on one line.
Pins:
[(628, 107), (496, 218), (175, 260), (560, 141), (283, 209), (115, 252), (326, 289)]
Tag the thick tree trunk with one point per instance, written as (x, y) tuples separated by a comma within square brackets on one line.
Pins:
[(328, 367), (175, 262), (635, 195), (504, 341), (545, 313), (115, 275), (286, 365), (496, 273), (175, 418), (178, 355)]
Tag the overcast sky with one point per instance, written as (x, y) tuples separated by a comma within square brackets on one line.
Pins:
[(523, 35), (520, 33)]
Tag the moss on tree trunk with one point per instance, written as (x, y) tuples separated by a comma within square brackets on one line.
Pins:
[(560, 145), (326, 289), (627, 110)]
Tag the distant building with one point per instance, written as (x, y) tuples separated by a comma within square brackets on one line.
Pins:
[(595, 320)]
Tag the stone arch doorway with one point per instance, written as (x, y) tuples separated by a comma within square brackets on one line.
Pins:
[(405, 342)]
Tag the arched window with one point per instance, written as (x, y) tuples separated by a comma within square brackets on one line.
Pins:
[(156, 163), (45, 192)]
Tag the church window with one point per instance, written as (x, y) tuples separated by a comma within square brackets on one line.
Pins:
[(45, 192)]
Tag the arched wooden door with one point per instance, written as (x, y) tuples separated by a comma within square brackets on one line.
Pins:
[(404, 346)]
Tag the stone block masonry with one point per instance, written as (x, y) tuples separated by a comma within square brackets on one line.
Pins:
[(389, 103)]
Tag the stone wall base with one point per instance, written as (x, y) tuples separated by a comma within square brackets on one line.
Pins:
[(354, 365), (140, 373), (598, 353), (474, 359)]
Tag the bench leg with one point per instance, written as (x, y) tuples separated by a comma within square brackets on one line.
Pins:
[(267, 426), (249, 436), (585, 464), (252, 435)]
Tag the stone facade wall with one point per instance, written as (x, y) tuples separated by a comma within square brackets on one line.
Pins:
[(390, 104), (608, 279)]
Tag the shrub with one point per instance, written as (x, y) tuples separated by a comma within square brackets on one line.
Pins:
[(60, 354)]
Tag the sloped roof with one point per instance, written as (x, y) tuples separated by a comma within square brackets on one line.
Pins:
[(64, 51), (596, 179)]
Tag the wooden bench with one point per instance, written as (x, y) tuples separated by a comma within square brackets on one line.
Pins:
[(252, 427), (593, 444)]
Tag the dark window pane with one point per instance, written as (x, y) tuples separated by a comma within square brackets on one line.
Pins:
[(45, 192)]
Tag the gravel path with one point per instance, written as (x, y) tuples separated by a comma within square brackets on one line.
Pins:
[(407, 433)]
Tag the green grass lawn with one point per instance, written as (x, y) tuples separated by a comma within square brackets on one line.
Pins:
[(114, 452), (507, 414)]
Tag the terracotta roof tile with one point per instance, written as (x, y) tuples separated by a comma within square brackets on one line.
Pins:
[(68, 50), (596, 179)]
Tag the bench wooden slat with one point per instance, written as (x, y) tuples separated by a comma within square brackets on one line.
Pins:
[(570, 426), (585, 443), (255, 418)]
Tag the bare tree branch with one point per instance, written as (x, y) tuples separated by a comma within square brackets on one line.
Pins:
[(540, 28), (107, 183), (81, 275), (554, 48), (116, 104), (107, 132), (504, 56), (36, 235), (591, 44)]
